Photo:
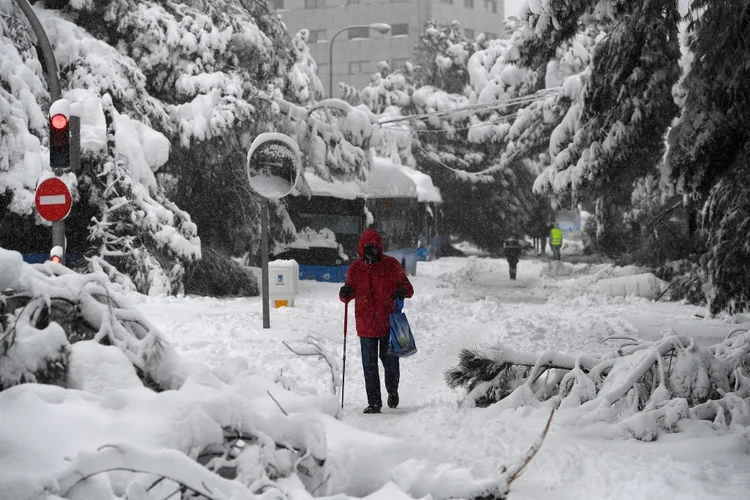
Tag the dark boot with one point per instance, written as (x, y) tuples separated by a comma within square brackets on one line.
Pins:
[(393, 400), (371, 409)]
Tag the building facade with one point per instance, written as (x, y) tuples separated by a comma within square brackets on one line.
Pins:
[(357, 51)]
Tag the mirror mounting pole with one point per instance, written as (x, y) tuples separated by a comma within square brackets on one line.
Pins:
[(264, 262)]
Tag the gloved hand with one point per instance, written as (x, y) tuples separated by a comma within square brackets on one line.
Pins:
[(400, 293), (346, 292)]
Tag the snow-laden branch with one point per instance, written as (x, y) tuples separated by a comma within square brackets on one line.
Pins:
[(640, 387), (314, 348), (169, 464)]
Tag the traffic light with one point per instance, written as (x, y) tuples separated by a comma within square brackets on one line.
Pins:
[(59, 141)]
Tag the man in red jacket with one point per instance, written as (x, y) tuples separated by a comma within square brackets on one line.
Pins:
[(374, 281)]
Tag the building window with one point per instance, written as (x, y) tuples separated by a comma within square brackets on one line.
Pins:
[(469, 33), (490, 6), (400, 29), (352, 2), (317, 36), (359, 32), (447, 1), (469, 4), (315, 4), (398, 63), (357, 67), (278, 4)]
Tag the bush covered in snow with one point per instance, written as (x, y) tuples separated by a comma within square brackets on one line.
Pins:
[(218, 275)]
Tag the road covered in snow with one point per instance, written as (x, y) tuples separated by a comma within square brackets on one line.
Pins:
[(470, 302)]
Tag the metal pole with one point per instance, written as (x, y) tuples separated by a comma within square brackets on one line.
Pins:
[(343, 369), (53, 85), (330, 60), (50, 63), (264, 262), (330, 56), (75, 144)]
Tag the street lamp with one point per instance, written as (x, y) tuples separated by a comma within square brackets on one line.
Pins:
[(381, 28)]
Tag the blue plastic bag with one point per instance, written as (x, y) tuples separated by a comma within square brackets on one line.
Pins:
[(401, 342)]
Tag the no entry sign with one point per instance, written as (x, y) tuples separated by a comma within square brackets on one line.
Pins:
[(53, 199)]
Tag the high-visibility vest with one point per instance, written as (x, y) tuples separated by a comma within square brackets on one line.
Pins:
[(555, 237)]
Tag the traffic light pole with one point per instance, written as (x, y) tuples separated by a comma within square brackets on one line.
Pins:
[(50, 63), (53, 85), (75, 142)]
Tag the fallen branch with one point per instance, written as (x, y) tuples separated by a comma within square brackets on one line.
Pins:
[(515, 471), (170, 464), (314, 348)]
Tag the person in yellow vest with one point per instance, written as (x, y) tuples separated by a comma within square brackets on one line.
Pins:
[(555, 241)]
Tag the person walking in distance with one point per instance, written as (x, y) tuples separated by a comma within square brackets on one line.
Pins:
[(374, 281), (555, 241), (512, 249)]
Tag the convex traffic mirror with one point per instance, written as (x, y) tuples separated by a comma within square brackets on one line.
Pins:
[(273, 165)]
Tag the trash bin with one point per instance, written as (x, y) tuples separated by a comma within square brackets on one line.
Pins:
[(283, 280)]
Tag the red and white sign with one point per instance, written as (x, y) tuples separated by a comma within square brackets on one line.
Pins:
[(53, 199)]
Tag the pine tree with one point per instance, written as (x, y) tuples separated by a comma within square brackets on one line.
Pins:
[(709, 153), (201, 79), (484, 160), (627, 99)]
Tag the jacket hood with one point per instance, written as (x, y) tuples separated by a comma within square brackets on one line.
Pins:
[(370, 237)]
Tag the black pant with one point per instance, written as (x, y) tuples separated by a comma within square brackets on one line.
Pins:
[(555, 252), (371, 349), (512, 263)]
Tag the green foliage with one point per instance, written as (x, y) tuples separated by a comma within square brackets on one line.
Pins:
[(651, 233), (141, 233), (475, 372), (484, 213), (709, 156), (711, 138), (686, 281), (728, 258), (627, 100), (218, 275), (435, 66)]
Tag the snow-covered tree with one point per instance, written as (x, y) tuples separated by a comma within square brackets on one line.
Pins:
[(709, 153), (185, 87), (626, 103), (155, 240), (482, 120)]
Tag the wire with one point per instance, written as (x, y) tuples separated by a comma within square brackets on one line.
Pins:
[(453, 129), (486, 106)]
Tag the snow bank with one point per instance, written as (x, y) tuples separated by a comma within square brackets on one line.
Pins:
[(644, 285), (101, 432), (601, 279)]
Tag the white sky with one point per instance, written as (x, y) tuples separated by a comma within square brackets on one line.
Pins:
[(513, 7)]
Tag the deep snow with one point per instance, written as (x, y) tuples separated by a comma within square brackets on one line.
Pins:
[(464, 302)]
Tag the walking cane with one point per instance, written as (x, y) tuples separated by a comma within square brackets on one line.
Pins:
[(343, 371)]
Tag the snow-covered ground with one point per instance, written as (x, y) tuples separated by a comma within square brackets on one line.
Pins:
[(467, 302)]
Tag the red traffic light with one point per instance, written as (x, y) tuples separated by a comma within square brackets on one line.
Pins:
[(59, 122)]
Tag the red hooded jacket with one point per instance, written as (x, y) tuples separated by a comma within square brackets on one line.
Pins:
[(373, 285)]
